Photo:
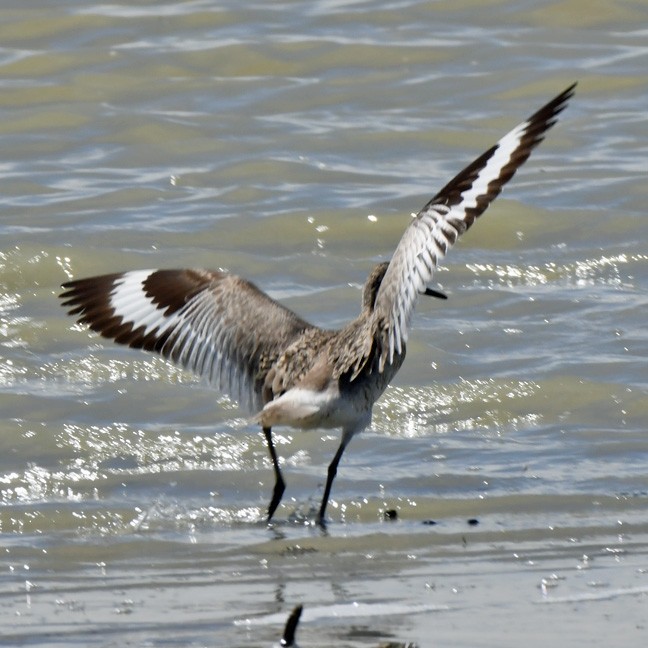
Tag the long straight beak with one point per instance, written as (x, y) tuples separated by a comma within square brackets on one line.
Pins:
[(435, 293)]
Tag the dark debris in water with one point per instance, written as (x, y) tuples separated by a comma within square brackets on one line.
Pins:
[(469, 522)]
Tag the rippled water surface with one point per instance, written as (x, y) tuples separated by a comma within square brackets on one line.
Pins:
[(289, 142)]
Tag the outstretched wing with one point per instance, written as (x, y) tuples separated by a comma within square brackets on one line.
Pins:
[(219, 326), (448, 215)]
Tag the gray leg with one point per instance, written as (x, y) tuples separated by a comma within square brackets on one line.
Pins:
[(280, 485)]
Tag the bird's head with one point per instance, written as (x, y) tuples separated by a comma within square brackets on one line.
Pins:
[(372, 285)]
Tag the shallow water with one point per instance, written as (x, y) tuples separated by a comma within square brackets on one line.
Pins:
[(289, 143)]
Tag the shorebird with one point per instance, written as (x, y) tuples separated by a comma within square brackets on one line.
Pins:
[(280, 368)]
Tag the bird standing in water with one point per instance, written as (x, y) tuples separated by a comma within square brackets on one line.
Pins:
[(280, 368)]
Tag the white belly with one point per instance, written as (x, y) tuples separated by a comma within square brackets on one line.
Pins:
[(346, 405), (307, 409)]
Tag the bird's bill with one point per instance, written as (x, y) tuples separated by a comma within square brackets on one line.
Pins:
[(430, 292)]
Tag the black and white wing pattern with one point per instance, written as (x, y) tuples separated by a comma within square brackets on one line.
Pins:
[(217, 325), (448, 215)]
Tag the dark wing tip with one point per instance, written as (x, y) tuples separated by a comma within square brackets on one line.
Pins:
[(78, 293), (555, 106), (533, 132), (544, 118)]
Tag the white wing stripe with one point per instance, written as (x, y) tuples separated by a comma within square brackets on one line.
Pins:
[(127, 291), (502, 156), (130, 302)]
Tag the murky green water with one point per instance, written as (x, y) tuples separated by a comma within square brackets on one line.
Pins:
[(289, 142)]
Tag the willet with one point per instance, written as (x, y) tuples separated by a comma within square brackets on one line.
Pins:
[(280, 368)]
